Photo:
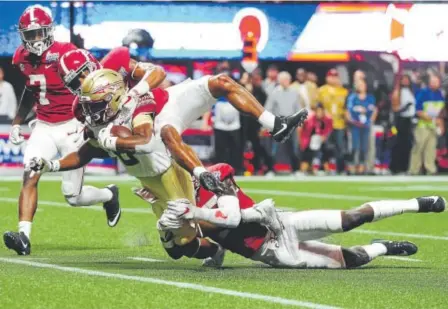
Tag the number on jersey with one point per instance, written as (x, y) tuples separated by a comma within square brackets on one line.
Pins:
[(127, 158), (39, 80)]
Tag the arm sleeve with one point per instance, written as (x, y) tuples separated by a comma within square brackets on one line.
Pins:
[(227, 214)]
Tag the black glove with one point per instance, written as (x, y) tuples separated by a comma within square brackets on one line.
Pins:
[(211, 183)]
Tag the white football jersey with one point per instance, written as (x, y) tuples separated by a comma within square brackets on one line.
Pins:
[(140, 165)]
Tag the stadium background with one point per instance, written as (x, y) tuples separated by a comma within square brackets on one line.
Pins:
[(190, 39)]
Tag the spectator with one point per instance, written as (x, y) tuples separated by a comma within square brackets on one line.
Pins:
[(403, 104), (284, 101), (361, 113), (270, 82), (307, 90), (312, 78), (252, 127), (357, 76), (313, 140), (429, 103), (332, 96), (8, 100)]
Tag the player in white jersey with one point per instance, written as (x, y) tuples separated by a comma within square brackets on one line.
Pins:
[(189, 100), (108, 110)]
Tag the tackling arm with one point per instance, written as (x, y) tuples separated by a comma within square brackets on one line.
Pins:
[(80, 158), (149, 75)]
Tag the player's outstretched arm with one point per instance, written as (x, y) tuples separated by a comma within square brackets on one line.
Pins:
[(149, 75), (71, 161), (25, 106)]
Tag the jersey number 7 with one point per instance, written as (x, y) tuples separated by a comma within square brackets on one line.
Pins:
[(39, 80)]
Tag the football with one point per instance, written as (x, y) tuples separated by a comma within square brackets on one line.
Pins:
[(120, 131)]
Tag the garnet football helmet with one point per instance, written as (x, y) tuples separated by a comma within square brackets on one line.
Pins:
[(101, 95), (36, 29), (74, 66)]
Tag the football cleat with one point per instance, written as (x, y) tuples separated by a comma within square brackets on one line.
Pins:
[(112, 207), (284, 128), (431, 204), (269, 216), (17, 242), (215, 261), (403, 248)]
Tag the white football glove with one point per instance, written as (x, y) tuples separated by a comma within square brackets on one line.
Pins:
[(168, 222), (181, 209), (15, 136), (105, 140), (41, 166)]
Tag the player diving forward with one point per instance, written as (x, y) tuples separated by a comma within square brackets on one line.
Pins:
[(104, 101), (55, 131), (296, 245), (180, 105)]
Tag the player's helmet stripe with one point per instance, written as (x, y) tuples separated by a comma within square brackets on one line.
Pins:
[(64, 67), (32, 15)]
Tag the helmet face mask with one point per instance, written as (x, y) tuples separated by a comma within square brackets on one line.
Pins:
[(74, 67), (101, 94), (36, 29)]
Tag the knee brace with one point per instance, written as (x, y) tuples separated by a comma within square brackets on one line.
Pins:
[(355, 257), (355, 217)]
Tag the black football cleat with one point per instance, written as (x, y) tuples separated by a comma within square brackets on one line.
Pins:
[(403, 248), (431, 204), (284, 128), (17, 242), (112, 207)]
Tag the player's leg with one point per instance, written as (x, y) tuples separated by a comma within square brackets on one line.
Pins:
[(73, 188), (315, 254), (315, 224), (281, 128), (40, 144), (77, 194)]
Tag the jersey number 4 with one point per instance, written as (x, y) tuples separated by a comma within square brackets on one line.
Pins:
[(39, 80)]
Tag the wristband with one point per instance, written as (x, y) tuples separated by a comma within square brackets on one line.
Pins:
[(141, 88), (110, 143), (197, 171), (55, 166)]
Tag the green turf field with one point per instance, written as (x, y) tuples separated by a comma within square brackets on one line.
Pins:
[(77, 261)]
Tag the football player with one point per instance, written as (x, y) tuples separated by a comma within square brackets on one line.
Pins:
[(182, 104), (103, 101), (55, 131), (296, 245)]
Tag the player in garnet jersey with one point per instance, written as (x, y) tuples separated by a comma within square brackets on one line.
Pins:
[(295, 244), (55, 131)]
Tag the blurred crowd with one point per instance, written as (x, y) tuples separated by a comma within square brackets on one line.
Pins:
[(354, 129), (350, 130)]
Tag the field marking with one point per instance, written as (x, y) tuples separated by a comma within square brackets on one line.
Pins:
[(136, 258), (97, 208), (369, 179), (402, 258), (421, 236), (183, 285)]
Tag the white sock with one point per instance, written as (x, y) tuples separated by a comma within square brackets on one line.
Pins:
[(375, 250), (91, 196), (267, 120), (385, 209), (25, 227)]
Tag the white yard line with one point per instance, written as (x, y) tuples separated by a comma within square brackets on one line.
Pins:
[(387, 233), (402, 258), (182, 285), (97, 208), (136, 258)]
